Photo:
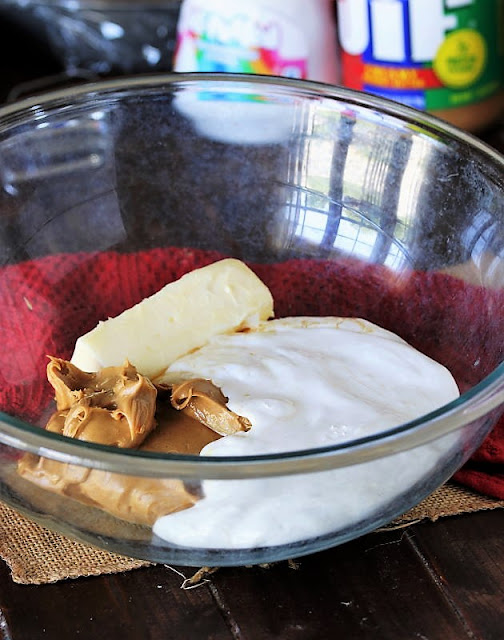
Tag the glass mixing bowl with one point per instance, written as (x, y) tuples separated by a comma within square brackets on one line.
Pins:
[(344, 204)]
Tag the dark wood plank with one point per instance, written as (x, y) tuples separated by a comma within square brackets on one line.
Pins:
[(373, 588), (145, 604), (442, 580), (467, 555)]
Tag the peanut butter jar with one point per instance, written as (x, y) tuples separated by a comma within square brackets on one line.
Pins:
[(446, 58)]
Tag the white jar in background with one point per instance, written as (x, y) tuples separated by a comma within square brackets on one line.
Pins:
[(293, 38)]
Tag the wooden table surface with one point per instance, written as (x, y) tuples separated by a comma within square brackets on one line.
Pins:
[(431, 581)]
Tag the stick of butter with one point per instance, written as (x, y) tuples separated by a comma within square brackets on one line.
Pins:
[(222, 297)]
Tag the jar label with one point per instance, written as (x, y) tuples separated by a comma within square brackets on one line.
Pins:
[(235, 39), (428, 54)]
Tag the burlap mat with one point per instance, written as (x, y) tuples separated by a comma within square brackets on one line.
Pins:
[(38, 556)]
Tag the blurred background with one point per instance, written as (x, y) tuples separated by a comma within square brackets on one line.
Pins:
[(44, 44), (441, 56)]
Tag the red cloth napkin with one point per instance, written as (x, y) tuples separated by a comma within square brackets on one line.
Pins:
[(46, 303)]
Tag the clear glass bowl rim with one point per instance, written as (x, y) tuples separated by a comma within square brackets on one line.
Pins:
[(470, 406)]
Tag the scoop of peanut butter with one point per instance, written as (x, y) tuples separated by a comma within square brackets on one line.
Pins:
[(115, 406), (119, 407), (202, 400)]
